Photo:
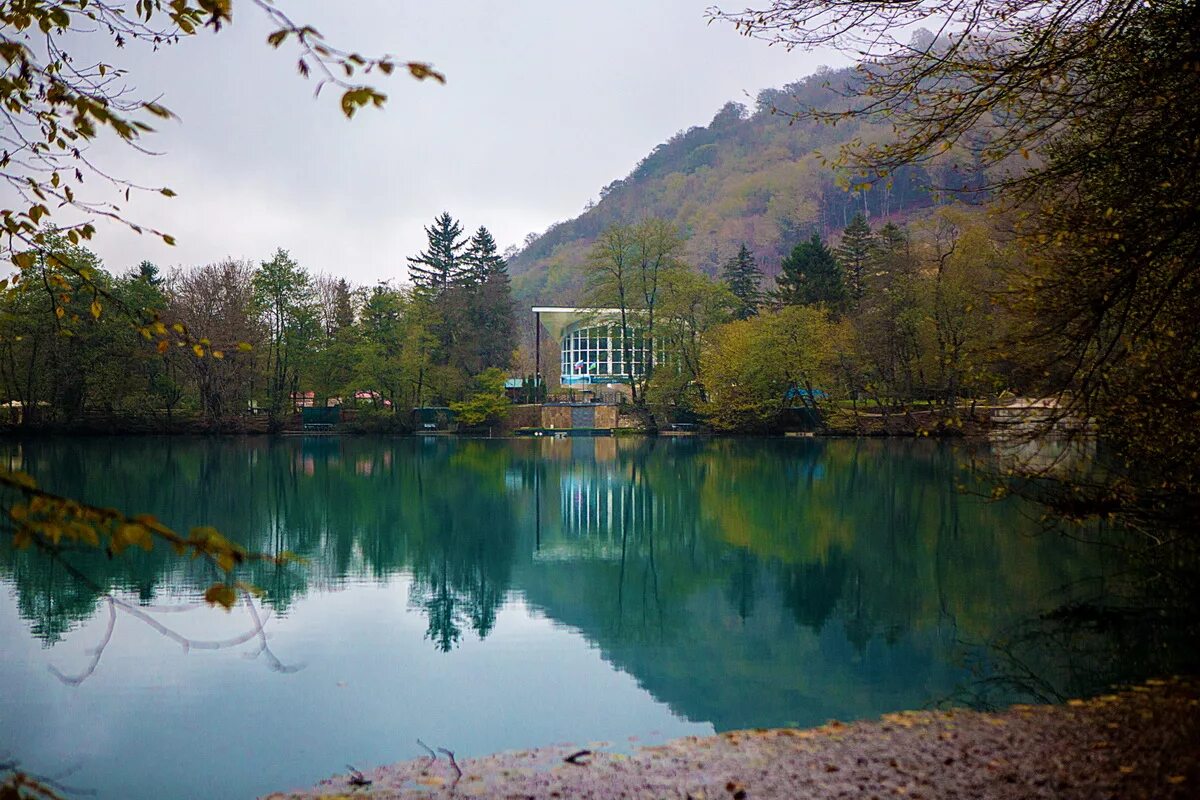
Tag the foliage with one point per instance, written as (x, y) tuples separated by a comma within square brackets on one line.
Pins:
[(751, 177), (810, 274), (57, 107), (392, 358), (693, 306), (1080, 115), (889, 323), (991, 87), (218, 297), (283, 295), (629, 269), (756, 368), (489, 404), (854, 255), (434, 270), (1112, 287), (465, 283), (743, 278), (489, 330)]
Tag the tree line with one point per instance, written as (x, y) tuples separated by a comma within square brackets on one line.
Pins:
[(891, 319), (214, 342)]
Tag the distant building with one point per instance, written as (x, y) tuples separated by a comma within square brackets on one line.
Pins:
[(304, 399)]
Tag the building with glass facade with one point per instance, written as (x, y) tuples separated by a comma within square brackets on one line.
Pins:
[(592, 347)]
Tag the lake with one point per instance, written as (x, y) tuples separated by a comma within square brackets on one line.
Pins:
[(482, 595)]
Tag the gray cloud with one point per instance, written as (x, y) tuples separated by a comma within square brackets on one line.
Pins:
[(546, 102)]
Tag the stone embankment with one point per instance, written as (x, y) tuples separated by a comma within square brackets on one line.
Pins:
[(1143, 742)]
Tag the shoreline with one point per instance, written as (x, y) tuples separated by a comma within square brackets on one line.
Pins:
[(1142, 742)]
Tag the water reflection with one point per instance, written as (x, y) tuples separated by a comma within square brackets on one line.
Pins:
[(744, 583)]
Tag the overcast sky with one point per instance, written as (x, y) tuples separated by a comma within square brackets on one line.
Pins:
[(546, 102)]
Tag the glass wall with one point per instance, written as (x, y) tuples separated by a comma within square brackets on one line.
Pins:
[(596, 354)]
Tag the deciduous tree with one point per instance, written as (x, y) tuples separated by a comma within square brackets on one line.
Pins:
[(284, 296)]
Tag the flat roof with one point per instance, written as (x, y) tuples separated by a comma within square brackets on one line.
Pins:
[(556, 319)]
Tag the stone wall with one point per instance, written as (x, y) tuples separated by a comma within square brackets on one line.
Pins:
[(559, 417), (556, 417), (606, 416), (520, 416)]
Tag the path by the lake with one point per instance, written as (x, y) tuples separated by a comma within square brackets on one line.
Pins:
[(1141, 743)]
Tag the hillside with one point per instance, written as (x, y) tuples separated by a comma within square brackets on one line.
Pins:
[(749, 176)]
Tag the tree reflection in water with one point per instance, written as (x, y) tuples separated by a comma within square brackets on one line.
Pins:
[(744, 582)]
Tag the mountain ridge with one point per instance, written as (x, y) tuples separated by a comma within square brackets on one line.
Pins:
[(753, 176)]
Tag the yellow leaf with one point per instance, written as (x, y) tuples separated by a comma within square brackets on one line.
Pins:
[(245, 347), (218, 354), (132, 533), (198, 350), (163, 344), (95, 309), (220, 594), (20, 478), (60, 312)]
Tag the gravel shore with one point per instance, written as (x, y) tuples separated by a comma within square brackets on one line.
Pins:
[(1143, 742)]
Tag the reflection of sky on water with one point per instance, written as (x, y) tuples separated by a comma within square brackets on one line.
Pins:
[(487, 595), (154, 720)]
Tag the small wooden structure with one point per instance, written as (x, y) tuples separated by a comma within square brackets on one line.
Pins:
[(317, 418)]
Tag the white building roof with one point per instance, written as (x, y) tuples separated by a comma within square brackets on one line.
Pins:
[(557, 318)]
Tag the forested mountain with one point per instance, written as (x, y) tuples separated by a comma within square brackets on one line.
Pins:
[(751, 176)]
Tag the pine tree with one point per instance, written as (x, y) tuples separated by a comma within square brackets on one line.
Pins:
[(743, 277), (855, 253), (810, 274), (343, 309), (481, 259), (148, 272), (441, 265), (491, 303)]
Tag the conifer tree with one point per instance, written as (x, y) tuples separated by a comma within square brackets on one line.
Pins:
[(491, 302), (855, 253), (343, 310), (743, 277), (434, 270), (810, 274), (147, 271), (481, 259)]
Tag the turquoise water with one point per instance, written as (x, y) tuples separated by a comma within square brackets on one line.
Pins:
[(484, 595)]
